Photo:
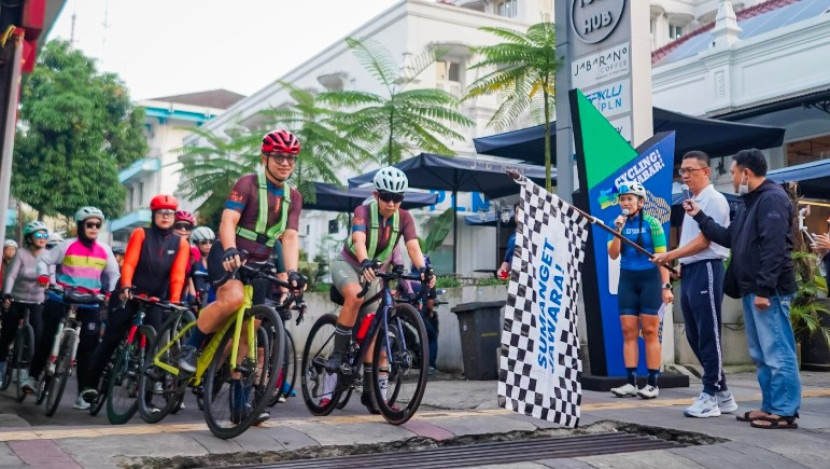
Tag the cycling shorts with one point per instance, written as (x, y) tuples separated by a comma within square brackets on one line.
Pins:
[(343, 273), (639, 292)]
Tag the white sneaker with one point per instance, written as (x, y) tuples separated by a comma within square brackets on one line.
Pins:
[(649, 392), (726, 402), (704, 406), (30, 385), (81, 404), (626, 390)]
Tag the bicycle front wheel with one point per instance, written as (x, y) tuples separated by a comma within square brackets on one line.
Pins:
[(321, 389), (57, 383), (288, 372), (162, 390), (234, 400), (122, 393), (400, 362), (24, 345)]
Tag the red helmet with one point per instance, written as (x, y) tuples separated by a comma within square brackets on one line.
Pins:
[(163, 201), (184, 215), (280, 141)]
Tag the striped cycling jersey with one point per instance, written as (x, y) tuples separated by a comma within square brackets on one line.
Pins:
[(80, 266), (653, 239)]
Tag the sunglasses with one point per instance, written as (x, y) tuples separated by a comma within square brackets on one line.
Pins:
[(40, 235), (183, 226), (203, 242), (90, 226), (281, 158), (166, 212), (390, 197)]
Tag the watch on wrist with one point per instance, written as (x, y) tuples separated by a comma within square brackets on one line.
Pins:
[(667, 286)]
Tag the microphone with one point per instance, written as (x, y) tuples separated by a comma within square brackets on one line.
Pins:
[(625, 213), (686, 192)]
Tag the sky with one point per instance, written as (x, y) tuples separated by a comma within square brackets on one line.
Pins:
[(169, 47)]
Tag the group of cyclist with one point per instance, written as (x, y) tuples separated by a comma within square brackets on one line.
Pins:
[(260, 222)]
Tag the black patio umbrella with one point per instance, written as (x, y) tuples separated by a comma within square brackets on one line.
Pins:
[(332, 198), (460, 174), (715, 137)]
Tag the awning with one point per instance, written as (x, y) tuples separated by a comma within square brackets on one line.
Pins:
[(813, 178), (335, 199), (715, 137)]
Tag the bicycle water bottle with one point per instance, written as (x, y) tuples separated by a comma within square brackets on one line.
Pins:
[(364, 326)]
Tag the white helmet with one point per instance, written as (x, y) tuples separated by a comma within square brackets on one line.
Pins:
[(202, 233), (631, 187), (391, 179), (10, 243), (54, 239)]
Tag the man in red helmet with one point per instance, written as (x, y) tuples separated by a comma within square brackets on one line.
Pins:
[(261, 210)]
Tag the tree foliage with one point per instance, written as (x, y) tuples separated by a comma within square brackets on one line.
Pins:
[(522, 71), (402, 118), (77, 129)]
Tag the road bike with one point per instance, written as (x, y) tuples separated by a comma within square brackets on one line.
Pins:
[(400, 351)]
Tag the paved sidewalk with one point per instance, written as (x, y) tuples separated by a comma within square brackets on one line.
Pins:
[(452, 408)]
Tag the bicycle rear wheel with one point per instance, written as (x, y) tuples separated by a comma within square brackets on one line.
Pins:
[(232, 405), (102, 387), (122, 392), (7, 373), (164, 391), (321, 390), (404, 341), (24, 345), (56, 384)]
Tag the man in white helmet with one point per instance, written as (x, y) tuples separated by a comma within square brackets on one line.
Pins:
[(376, 229)]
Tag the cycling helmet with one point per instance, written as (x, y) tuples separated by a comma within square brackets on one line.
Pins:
[(280, 141), (10, 243), (185, 216), (631, 187), (119, 251), (89, 212), (54, 239), (36, 225), (164, 201), (391, 179), (202, 233)]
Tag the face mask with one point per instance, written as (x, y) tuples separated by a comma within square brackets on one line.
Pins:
[(744, 187)]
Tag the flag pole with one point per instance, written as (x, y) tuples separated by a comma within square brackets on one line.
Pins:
[(596, 221)]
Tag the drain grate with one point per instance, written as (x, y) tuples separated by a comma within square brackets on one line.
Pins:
[(490, 453)]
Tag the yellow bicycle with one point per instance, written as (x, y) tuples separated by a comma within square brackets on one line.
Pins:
[(237, 370)]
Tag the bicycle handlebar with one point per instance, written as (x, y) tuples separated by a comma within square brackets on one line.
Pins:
[(76, 297)]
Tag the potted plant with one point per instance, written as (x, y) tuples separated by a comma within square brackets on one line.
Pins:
[(809, 314)]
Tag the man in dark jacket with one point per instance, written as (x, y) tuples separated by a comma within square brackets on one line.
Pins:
[(761, 238)]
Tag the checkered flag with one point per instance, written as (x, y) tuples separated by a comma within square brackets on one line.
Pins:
[(539, 367)]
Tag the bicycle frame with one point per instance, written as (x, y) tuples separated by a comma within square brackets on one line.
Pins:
[(381, 318), (202, 363), (62, 328)]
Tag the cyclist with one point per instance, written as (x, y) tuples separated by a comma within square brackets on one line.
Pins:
[(154, 266), (9, 250), (54, 239), (119, 255), (261, 209), (643, 287), (21, 291), (376, 229), (411, 290), (182, 227), (80, 264), (202, 237)]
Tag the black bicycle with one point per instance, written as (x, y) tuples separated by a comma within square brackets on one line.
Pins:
[(20, 356), (400, 339)]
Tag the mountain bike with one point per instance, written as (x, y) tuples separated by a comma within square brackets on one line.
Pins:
[(400, 350), (62, 360), (231, 405), (20, 356)]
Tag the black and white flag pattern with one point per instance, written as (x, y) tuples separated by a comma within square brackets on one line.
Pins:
[(539, 367)]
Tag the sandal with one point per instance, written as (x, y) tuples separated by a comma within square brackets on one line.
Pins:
[(747, 416), (775, 422)]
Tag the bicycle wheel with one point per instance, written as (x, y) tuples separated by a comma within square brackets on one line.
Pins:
[(7, 373), (56, 384), (122, 391), (163, 390), (233, 405), (321, 390), (24, 344), (102, 386), (405, 343), (288, 372)]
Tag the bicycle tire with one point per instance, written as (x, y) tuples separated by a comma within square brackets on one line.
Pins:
[(173, 387), (187, 318), (102, 386), (408, 362), (40, 391), (57, 383), (7, 372), (24, 343), (219, 417), (313, 377), (122, 391), (288, 372)]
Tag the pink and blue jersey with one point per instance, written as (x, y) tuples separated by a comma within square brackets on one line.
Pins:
[(81, 267)]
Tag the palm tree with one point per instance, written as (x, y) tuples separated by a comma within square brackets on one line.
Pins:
[(401, 119), (209, 170), (525, 68), (318, 123)]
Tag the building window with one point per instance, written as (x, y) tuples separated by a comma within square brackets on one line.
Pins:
[(675, 31), (507, 8), (448, 77), (140, 194), (805, 151)]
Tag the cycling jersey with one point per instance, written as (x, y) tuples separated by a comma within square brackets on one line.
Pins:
[(21, 278), (244, 198), (80, 266), (646, 231), (155, 263), (382, 236)]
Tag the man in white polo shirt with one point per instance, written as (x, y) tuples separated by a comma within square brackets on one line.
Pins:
[(702, 287)]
